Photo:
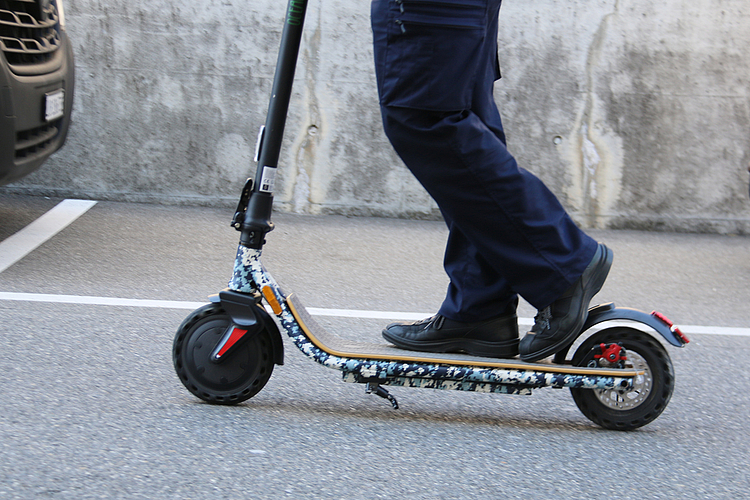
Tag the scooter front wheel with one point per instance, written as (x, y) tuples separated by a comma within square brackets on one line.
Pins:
[(237, 378), (635, 406)]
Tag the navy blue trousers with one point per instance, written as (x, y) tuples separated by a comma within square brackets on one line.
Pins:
[(436, 64)]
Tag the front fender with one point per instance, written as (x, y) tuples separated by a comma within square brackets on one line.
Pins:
[(246, 311)]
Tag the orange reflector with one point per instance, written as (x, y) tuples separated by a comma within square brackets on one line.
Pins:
[(271, 299)]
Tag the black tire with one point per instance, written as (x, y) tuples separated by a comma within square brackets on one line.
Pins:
[(235, 379), (639, 405)]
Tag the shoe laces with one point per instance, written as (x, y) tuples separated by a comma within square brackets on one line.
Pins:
[(542, 319), (437, 320)]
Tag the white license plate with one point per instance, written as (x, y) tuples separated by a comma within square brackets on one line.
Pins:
[(54, 105)]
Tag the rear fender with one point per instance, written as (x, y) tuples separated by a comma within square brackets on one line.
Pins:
[(608, 312)]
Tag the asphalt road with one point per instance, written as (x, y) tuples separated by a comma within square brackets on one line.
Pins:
[(92, 408)]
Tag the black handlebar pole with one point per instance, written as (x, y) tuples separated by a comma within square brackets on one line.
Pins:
[(258, 215)]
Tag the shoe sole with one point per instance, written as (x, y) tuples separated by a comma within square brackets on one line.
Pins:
[(507, 349), (600, 274)]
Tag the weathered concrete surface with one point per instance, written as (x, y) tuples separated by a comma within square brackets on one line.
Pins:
[(636, 114)]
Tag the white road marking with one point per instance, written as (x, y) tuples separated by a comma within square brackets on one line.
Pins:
[(314, 311), (98, 301), (25, 241), (360, 314)]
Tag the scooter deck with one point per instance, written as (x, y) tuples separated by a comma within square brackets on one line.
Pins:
[(337, 346)]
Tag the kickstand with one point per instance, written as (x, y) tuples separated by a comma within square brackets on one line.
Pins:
[(371, 387)]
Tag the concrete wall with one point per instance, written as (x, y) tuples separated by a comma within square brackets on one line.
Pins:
[(635, 113)]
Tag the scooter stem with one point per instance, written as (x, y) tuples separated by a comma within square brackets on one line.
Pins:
[(257, 221)]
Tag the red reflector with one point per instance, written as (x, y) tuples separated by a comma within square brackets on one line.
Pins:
[(236, 335), (681, 335), (662, 318), (671, 326)]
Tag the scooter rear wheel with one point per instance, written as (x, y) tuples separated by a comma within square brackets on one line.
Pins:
[(237, 378), (634, 407)]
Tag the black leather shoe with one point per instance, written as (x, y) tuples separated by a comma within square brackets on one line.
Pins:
[(495, 338), (557, 325)]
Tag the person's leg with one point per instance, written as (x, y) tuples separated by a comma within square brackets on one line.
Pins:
[(430, 56), (435, 83)]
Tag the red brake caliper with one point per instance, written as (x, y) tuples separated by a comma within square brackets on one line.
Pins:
[(611, 353)]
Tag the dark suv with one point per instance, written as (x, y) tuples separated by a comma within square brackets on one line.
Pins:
[(36, 84)]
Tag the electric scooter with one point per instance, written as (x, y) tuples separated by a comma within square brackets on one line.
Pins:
[(620, 375)]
